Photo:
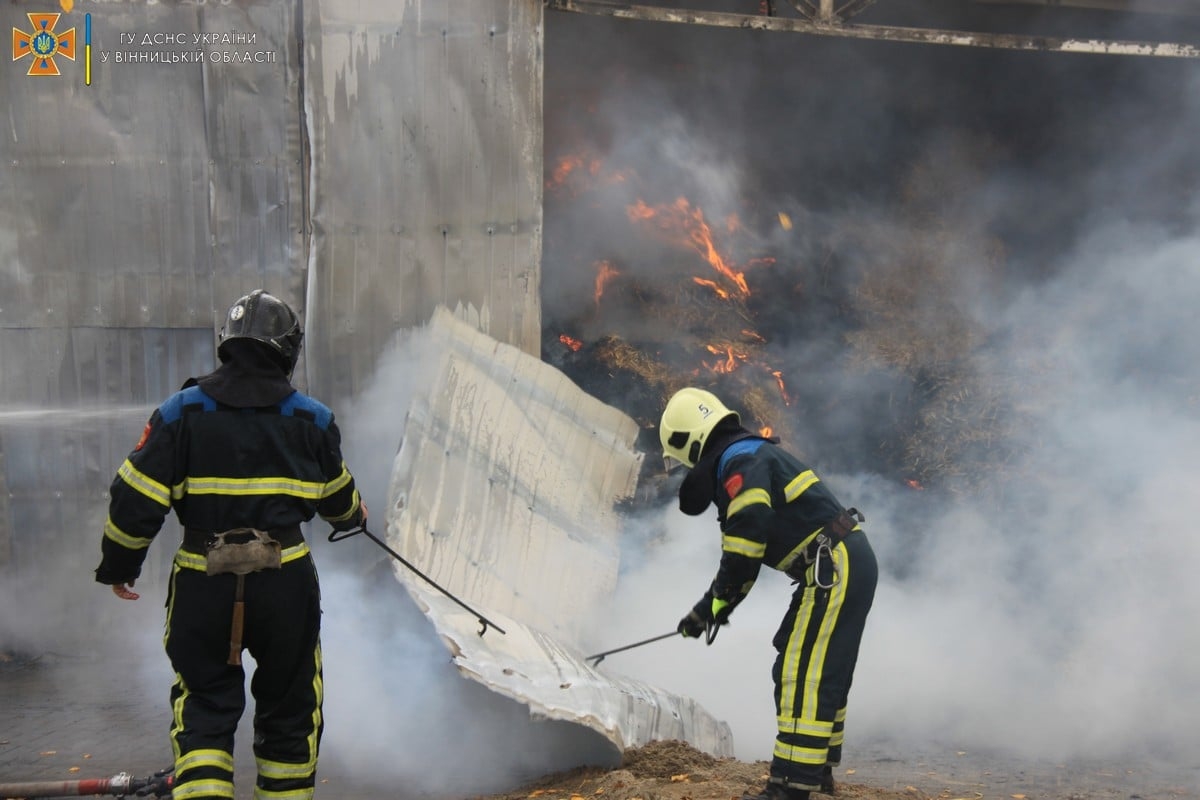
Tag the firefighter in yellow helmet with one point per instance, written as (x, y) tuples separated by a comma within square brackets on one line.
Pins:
[(775, 511)]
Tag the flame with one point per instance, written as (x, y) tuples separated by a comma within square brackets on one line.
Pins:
[(566, 166), (785, 221), (913, 483), (778, 375), (592, 168), (721, 293), (605, 272), (680, 219), (569, 166), (766, 431), (574, 344), (731, 358)]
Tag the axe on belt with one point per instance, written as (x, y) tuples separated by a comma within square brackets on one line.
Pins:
[(240, 551)]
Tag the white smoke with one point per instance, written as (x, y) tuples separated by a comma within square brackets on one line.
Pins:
[(1053, 619), (1054, 624)]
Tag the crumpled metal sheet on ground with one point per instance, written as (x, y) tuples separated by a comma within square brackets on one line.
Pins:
[(503, 492)]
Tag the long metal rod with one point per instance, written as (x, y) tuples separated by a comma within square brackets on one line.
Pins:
[(484, 622), (596, 659), (887, 33)]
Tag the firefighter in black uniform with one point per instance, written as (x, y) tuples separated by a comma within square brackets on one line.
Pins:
[(775, 511), (243, 459)]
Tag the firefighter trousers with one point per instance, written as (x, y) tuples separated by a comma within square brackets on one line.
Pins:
[(817, 645), (282, 633)]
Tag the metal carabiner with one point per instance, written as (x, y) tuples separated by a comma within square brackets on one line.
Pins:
[(824, 548)]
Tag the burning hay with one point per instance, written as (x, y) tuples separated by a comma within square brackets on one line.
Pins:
[(886, 310)]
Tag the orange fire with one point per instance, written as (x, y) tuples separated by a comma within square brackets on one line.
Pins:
[(913, 483), (731, 358), (766, 431), (605, 272), (568, 165), (686, 225), (574, 344), (592, 168), (778, 375), (721, 293)]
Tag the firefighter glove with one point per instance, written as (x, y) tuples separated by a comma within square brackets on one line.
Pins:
[(692, 626), (721, 609)]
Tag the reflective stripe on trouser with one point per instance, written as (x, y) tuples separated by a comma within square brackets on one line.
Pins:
[(282, 632), (817, 646)]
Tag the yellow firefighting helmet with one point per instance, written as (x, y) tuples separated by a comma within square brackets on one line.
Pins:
[(690, 416)]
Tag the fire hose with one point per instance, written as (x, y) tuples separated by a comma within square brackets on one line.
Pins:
[(123, 784)]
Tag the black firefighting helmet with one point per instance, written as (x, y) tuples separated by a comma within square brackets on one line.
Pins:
[(267, 319)]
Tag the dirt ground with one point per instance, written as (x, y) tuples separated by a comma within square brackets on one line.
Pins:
[(666, 771), (676, 771)]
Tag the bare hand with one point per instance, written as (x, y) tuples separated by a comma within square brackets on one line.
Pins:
[(123, 591)]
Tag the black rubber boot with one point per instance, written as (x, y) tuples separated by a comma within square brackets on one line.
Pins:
[(827, 784), (777, 791)]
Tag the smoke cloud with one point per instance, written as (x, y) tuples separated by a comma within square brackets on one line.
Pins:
[(1049, 611), (1044, 609)]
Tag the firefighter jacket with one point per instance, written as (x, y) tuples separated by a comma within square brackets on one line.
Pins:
[(222, 466), (771, 507)]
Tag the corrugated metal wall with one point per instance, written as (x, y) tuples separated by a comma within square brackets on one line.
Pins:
[(384, 158), (426, 131)]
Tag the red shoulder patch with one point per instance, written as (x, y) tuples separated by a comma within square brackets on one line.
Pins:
[(145, 435), (733, 485)]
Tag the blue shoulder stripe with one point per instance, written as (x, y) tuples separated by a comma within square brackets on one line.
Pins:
[(744, 447), (172, 407), (298, 401)]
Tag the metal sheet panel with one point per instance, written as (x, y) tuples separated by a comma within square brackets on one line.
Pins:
[(426, 126), (504, 493), (135, 209)]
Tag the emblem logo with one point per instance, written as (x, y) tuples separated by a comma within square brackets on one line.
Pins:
[(43, 45), (236, 312), (145, 435)]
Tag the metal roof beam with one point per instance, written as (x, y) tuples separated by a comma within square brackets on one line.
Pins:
[(888, 33)]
